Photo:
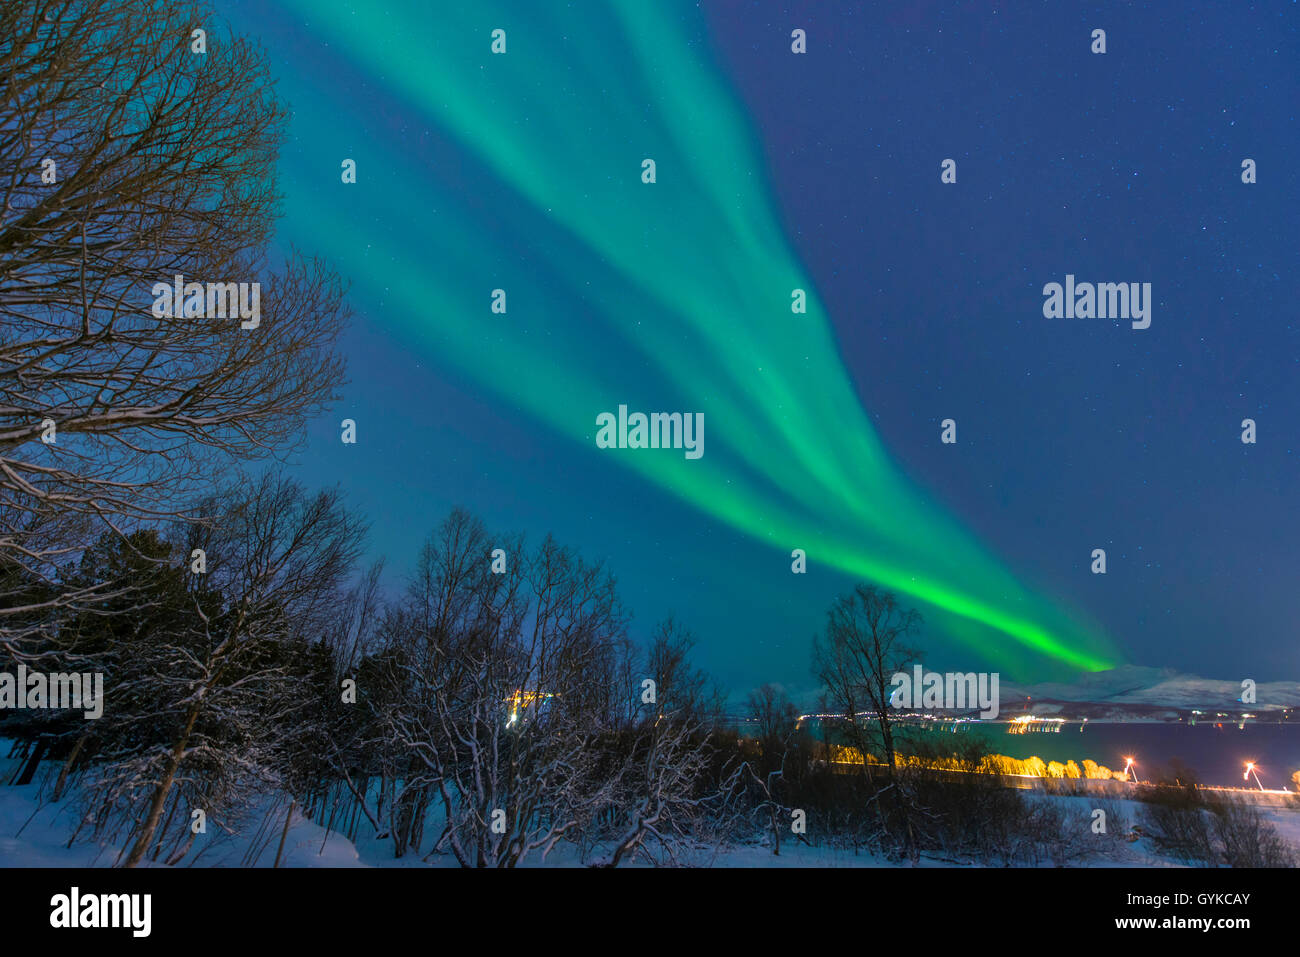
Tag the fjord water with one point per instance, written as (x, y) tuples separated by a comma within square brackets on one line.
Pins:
[(1216, 753)]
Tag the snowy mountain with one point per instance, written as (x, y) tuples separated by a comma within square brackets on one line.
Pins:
[(1137, 690)]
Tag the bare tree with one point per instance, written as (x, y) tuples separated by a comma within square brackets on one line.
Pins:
[(502, 681), (675, 786), (856, 659), (663, 787), (776, 721), (681, 689), (278, 563), (129, 160), (510, 711)]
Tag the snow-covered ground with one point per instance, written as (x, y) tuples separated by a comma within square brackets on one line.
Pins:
[(35, 833)]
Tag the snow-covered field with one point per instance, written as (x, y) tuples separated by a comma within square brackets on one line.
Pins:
[(35, 833)]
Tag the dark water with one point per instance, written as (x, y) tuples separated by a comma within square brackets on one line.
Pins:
[(1217, 754)]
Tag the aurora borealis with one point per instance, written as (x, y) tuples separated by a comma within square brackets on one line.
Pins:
[(523, 172)]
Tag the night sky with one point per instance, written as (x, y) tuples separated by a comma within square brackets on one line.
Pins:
[(821, 171)]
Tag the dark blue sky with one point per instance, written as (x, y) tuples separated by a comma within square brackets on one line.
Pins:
[(1122, 166), (1073, 434)]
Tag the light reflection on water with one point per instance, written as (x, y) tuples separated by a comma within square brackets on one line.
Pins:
[(1216, 753)]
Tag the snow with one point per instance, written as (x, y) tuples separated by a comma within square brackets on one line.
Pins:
[(1158, 687), (34, 833)]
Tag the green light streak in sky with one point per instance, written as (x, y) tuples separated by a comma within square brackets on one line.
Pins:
[(666, 297)]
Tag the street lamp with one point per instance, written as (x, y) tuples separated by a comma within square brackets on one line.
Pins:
[(1250, 769)]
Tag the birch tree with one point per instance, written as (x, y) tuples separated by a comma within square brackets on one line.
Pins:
[(223, 689), (505, 676), (130, 159)]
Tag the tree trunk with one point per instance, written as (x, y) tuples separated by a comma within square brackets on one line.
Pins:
[(163, 789), (285, 833), (67, 767), (28, 770), (887, 737), (180, 853)]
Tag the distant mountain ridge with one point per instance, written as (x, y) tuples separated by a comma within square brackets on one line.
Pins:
[(1137, 691)]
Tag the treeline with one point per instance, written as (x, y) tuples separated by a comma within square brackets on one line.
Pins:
[(491, 711), (495, 709), (510, 706)]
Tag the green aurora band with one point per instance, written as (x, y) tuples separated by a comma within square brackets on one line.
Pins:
[(670, 296)]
